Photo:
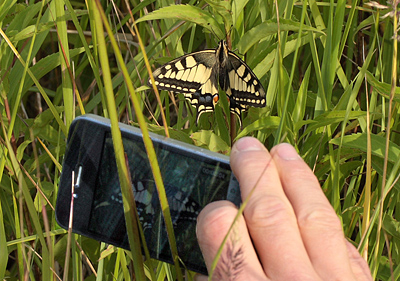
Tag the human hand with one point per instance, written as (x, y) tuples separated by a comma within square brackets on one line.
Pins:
[(288, 230)]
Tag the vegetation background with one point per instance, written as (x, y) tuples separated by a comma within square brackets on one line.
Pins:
[(329, 69)]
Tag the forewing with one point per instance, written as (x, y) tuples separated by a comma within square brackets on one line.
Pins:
[(194, 75)]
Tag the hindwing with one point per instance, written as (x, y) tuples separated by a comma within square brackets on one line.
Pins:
[(183, 208), (241, 85)]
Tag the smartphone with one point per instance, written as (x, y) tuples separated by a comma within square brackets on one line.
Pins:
[(192, 176)]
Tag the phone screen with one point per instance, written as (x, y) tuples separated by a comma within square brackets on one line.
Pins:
[(190, 183)]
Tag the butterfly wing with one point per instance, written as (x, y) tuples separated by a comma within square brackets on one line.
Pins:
[(193, 75), (143, 197), (241, 85), (196, 76)]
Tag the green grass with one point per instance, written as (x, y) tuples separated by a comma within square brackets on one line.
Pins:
[(329, 70)]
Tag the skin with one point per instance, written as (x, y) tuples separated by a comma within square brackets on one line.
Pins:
[(288, 230)]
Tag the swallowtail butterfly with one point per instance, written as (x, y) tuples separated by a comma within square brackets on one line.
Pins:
[(196, 75), (182, 206)]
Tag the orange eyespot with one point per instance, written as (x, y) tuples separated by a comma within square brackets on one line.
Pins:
[(215, 98)]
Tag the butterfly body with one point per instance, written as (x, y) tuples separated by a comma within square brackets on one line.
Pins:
[(197, 75)]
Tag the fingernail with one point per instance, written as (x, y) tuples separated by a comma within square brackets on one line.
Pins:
[(287, 152), (248, 144)]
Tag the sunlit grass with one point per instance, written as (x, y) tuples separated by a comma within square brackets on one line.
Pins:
[(331, 82)]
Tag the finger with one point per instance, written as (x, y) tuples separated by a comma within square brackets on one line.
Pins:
[(320, 227), (269, 216), (238, 260), (358, 265), (199, 277)]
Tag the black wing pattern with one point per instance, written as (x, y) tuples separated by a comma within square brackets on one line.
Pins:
[(241, 85), (196, 75), (182, 206)]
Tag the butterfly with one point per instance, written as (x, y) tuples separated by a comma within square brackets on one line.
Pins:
[(183, 208), (196, 76)]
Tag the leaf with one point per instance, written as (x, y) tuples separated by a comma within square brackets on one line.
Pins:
[(47, 188), (107, 252), (174, 134), (328, 119), (268, 28), (21, 149), (382, 88), (30, 30), (301, 100), (47, 64), (211, 141), (41, 126), (22, 18), (378, 164), (270, 123), (238, 8), (30, 164), (186, 13), (266, 61), (378, 145), (391, 226), (223, 8), (8, 8), (3, 246)]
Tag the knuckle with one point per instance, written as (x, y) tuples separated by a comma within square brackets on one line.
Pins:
[(319, 217), (266, 212)]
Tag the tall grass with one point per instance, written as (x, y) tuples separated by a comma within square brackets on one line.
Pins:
[(329, 70)]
